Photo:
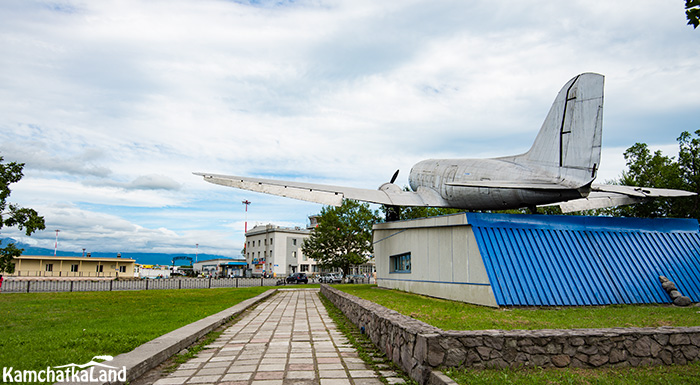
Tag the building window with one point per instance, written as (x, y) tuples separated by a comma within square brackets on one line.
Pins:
[(248, 243), (122, 269), (294, 241), (99, 268), (49, 267), (294, 254), (271, 241), (258, 242), (73, 268), (265, 242), (303, 268), (314, 268), (400, 263)]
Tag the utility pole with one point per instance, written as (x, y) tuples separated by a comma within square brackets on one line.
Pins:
[(246, 203), (55, 248)]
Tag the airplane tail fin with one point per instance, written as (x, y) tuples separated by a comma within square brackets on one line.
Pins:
[(570, 138)]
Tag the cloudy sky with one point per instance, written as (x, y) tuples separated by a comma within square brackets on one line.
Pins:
[(113, 104)]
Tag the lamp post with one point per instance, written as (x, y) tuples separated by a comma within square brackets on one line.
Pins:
[(196, 251), (246, 203), (55, 248)]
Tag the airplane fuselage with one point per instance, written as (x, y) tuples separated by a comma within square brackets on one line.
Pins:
[(444, 176)]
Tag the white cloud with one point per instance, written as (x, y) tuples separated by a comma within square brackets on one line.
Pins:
[(113, 104)]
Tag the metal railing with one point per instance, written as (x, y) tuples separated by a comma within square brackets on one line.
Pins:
[(38, 286)]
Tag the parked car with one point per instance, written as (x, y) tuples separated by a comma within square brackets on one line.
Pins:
[(328, 278), (338, 277), (297, 277), (355, 278)]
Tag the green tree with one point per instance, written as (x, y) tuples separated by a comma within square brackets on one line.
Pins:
[(692, 12), (12, 215), (645, 169), (689, 163), (343, 237)]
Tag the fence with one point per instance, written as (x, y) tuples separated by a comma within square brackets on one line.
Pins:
[(35, 286)]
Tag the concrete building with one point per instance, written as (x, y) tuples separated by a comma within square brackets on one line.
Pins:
[(220, 267), (50, 266), (276, 251), (539, 260), (151, 271)]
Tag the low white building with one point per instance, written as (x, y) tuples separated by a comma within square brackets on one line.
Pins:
[(152, 271), (220, 267), (276, 251)]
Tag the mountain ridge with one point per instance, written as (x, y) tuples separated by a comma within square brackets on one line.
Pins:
[(141, 258)]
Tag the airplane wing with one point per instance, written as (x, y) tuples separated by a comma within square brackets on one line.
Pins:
[(603, 196), (387, 194)]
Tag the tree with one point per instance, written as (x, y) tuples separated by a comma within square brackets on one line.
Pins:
[(692, 12), (689, 164), (12, 215), (645, 169), (343, 237)]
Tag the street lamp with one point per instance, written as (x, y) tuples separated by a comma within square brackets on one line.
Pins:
[(55, 248), (246, 203)]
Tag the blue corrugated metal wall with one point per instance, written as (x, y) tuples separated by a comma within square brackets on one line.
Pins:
[(544, 260)]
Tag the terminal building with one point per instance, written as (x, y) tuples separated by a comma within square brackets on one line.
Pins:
[(50, 266), (276, 251), (539, 260)]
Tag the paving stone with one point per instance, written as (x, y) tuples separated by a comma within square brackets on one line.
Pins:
[(332, 374), (367, 381), (305, 375), (362, 373), (243, 376), (171, 381), (269, 375), (335, 381)]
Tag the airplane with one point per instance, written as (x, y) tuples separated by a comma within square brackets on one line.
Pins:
[(559, 169)]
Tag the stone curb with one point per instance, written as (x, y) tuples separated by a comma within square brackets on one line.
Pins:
[(439, 378), (151, 354)]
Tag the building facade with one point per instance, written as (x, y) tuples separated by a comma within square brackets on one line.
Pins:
[(539, 260), (276, 251), (50, 266), (220, 267)]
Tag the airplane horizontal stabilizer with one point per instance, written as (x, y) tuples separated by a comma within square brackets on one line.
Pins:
[(388, 194), (603, 196)]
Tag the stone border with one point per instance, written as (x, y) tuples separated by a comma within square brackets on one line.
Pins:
[(419, 348), (151, 354)]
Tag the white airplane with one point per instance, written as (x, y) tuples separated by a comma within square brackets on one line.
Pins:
[(559, 169)]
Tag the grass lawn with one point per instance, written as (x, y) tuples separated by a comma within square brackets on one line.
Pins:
[(671, 375), (48, 329), (452, 315)]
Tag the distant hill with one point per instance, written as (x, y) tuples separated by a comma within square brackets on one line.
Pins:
[(142, 258)]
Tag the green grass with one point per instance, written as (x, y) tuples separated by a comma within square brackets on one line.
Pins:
[(452, 315), (48, 329), (671, 375)]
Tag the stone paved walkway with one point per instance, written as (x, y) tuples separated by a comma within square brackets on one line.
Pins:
[(288, 339)]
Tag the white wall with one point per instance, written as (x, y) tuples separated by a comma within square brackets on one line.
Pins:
[(445, 259)]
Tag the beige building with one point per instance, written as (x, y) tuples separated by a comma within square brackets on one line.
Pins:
[(276, 251), (50, 266)]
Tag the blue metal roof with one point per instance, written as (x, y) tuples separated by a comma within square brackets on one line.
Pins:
[(548, 260)]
